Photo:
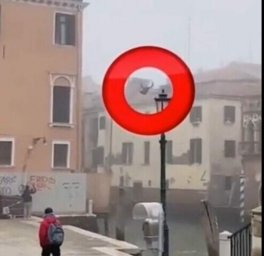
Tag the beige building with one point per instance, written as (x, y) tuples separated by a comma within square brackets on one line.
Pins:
[(40, 79), (251, 149), (203, 159)]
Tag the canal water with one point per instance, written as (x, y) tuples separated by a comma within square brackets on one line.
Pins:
[(186, 233), (186, 236)]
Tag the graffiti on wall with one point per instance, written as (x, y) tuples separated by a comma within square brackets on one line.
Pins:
[(65, 192), (7, 184), (42, 183)]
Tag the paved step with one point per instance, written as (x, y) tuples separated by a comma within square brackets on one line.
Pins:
[(20, 238)]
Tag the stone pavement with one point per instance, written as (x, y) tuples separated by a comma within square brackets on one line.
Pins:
[(20, 238)]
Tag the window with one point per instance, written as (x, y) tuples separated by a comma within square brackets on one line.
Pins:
[(127, 153), (149, 183), (146, 152), (196, 114), (229, 114), (61, 104), (121, 181), (230, 148), (169, 152), (137, 190), (6, 152), (65, 29), (62, 101), (98, 156), (195, 151), (102, 123), (228, 183), (93, 131), (61, 155)]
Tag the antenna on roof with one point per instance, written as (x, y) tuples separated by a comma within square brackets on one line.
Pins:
[(250, 55), (189, 41)]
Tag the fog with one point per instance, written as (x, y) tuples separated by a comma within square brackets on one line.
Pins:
[(206, 34)]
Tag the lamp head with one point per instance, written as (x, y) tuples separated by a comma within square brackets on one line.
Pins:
[(162, 101)]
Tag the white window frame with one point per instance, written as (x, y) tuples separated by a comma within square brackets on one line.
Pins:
[(61, 142), (54, 28), (8, 139), (71, 80)]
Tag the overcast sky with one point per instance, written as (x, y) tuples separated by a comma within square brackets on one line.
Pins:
[(221, 31)]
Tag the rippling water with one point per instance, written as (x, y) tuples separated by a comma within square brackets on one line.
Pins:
[(186, 236)]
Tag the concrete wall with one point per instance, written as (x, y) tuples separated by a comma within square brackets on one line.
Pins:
[(178, 176), (98, 190), (219, 132), (64, 192)]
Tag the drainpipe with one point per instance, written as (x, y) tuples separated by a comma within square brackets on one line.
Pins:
[(110, 146), (78, 91)]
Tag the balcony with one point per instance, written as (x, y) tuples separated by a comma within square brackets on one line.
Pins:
[(250, 148)]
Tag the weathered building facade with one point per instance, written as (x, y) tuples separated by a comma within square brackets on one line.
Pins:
[(250, 150), (203, 159), (40, 79)]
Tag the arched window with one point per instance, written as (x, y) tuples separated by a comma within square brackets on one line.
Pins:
[(62, 101)]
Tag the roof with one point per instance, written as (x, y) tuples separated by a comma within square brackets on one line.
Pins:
[(234, 80), (65, 4), (233, 71)]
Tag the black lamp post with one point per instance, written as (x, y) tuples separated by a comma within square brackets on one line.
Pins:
[(161, 103)]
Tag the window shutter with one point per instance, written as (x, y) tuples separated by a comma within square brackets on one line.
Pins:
[(71, 29), (57, 29), (199, 151), (123, 154), (100, 155), (130, 155), (192, 151), (5, 152), (146, 152)]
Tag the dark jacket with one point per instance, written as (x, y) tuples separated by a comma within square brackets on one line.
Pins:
[(26, 196), (43, 229)]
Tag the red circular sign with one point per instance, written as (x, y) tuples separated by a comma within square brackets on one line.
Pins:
[(114, 90)]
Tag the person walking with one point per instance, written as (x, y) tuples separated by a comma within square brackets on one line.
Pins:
[(27, 200), (51, 234)]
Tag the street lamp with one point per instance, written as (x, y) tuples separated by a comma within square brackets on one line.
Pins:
[(161, 101)]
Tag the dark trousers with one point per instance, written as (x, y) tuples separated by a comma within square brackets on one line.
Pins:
[(53, 250)]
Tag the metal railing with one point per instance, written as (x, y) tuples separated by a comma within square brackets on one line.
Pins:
[(241, 241), (11, 206)]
